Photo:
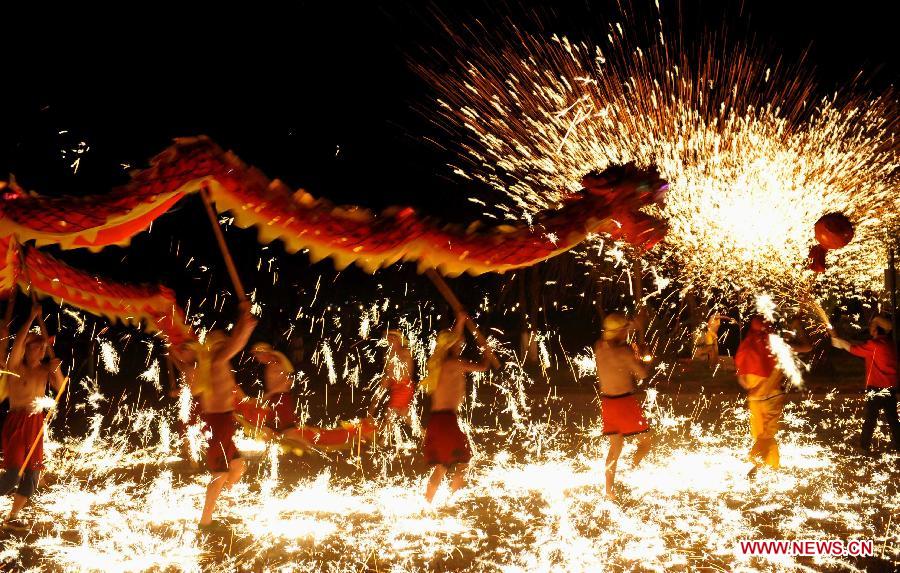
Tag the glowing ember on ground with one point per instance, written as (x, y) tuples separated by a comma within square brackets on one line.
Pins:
[(535, 501)]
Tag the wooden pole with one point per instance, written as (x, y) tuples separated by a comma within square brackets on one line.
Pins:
[(34, 301), (457, 306), (40, 436), (46, 335), (223, 246)]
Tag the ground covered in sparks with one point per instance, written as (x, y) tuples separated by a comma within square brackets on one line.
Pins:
[(535, 501)]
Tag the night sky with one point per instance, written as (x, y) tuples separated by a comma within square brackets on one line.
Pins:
[(320, 95)]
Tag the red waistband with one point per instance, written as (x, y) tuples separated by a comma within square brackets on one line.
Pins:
[(614, 396)]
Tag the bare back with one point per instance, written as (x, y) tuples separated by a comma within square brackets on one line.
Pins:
[(617, 368)]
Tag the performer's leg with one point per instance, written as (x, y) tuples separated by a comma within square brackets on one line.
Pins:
[(616, 441), (9, 481), (645, 442), (216, 483), (458, 478), (757, 428), (236, 468), (773, 422), (26, 488), (890, 413), (770, 453), (435, 481), (871, 417)]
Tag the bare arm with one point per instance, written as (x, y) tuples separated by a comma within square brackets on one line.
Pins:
[(482, 366), (638, 369), (56, 376), (17, 354), (237, 340), (459, 327), (840, 343)]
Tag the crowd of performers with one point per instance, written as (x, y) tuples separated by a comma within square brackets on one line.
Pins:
[(208, 372)]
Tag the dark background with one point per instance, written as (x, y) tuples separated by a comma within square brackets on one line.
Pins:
[(320, 95)]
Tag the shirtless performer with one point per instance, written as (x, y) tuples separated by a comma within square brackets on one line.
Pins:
[(214, 384), (277, 380), (446, 446), (27, 383), (617, 368), (397, 378)]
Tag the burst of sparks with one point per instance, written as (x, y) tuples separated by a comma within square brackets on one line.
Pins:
[(539, 509), (753, 156)]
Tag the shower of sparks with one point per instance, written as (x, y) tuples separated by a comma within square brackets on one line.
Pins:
[(766, 307), (115, 502), (109, 357), (118, 497), (753, 155), (753, 161), (787, 360)]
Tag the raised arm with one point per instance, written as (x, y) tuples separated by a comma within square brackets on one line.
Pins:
[(482, 366), (459, 327), (240, 335), (17, 354), (57, 379)]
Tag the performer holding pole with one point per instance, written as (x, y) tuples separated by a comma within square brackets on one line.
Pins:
[(457, 307), (22, 434), (212, 380), (446, 446)]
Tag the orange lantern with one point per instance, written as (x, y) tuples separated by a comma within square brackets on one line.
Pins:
[(834, 231)]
